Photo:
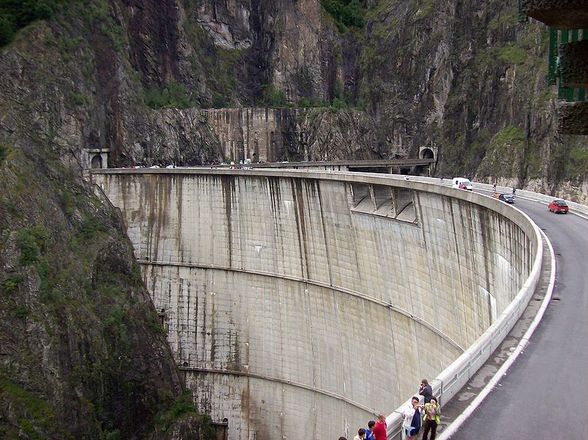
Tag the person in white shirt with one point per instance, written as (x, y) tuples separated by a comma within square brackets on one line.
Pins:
[(411, 419)]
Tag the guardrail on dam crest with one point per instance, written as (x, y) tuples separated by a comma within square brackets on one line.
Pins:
[(299, 304)]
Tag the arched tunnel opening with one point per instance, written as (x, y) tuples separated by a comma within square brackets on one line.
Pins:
[(427, 153), (96, 162)]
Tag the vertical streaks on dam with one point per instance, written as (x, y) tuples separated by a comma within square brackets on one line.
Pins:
[(228, 188), (301, 225)]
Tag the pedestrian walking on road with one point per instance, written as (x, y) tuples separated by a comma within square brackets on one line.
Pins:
[(425, 390), (514, 190), (380, 429), (411, 419), (431, 418)]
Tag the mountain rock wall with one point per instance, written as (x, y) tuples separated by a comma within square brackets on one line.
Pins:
[(133, 77), (82, 353)]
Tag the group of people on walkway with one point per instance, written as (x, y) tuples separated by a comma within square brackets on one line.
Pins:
[(416, 418), (426, 417), (376, 430)]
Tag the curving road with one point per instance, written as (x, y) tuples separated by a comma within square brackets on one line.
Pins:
[(543, 394)]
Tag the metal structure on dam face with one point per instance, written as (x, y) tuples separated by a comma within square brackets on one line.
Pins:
[(299, 304)]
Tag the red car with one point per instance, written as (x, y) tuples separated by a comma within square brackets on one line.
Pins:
[(558, 206)]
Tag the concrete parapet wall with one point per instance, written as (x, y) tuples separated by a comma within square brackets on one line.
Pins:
[(301, 303)]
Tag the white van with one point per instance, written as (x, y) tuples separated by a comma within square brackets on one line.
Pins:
[(462, 183)]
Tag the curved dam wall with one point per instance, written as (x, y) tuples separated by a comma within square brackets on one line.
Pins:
[(299, 304)]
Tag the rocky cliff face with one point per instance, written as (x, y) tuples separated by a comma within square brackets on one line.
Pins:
[(466, 79), (286, 45), (90, 77), (82, 352)]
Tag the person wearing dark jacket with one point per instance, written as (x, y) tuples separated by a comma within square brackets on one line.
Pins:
[(426, 391), (411, 419), (369, 433)]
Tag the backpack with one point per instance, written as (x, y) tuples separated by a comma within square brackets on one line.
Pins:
[(415, 424)]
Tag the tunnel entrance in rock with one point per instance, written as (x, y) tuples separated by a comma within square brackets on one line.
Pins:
[(427, 153), (97, 162)]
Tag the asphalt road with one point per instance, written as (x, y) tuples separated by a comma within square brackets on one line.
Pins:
[(544, 394)]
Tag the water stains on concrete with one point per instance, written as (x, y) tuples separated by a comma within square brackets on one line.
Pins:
[(272, 284)]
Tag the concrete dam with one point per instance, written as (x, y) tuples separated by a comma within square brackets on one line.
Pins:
[(299, 304)]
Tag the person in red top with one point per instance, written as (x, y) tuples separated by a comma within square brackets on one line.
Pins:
[(380, 428)]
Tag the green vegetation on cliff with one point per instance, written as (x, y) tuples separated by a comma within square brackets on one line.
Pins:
[(346, 13), (37, 415), (511, 54), (221, 66), (15, 14), (172, 95), (579, 162), (504, 153), (85, 356)]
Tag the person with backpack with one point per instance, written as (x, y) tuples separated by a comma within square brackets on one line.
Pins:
[(411, 419)]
